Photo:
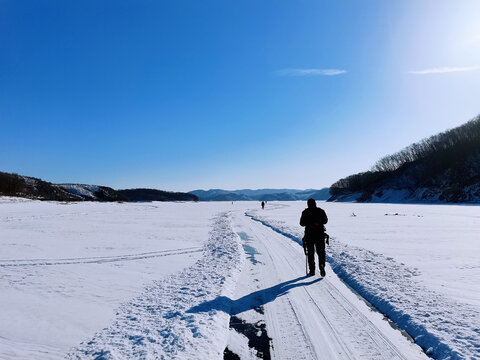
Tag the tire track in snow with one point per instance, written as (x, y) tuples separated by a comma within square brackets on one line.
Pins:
[(346, 332), (289, 317), (364, 322), (337, 338), (98, 259), (363, 327), (299, 323), (256, 290), (444, 328)]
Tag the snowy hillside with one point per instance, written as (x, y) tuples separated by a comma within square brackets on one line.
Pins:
[(33, 188), (29, 187), (93, 192), (24, 186)]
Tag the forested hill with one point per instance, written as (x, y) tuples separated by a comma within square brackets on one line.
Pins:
[(33, 188), (156, 195), (442, 168)]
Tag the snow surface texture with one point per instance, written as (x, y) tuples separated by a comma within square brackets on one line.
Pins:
[(66, 268), (162, 279), (305, 317), (156, 324), (443, 327)]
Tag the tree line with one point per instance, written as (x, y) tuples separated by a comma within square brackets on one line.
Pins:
[(463, 138), (423, 160), (11, 184), (21, 186)]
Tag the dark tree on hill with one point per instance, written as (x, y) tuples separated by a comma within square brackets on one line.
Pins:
[(156, 195), (11, 184), (448, 145)]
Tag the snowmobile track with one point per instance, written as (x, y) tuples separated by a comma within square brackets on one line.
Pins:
[(98, 259), (331, 325)]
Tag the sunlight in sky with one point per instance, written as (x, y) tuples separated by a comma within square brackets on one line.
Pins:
[(237, 94)]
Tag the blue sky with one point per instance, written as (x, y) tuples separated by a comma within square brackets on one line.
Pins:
[(181, 95)]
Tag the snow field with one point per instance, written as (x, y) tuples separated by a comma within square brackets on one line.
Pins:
[(66, 268), (172, 281)]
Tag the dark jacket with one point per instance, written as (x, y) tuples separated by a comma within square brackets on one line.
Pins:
[(313, 218)]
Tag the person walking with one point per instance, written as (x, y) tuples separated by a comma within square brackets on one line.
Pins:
[(313, 219), (263, 204)]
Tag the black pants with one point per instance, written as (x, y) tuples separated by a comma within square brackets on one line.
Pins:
[(312, 244)]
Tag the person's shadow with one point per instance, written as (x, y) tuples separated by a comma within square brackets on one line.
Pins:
[(253, 300)]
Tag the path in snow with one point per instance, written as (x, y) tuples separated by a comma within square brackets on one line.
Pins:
[(307, 318), (209, 307), (445, 328)]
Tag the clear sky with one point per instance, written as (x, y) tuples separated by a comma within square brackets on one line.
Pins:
[(182, 95)]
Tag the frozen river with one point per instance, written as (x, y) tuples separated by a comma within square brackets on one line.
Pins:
[(67, 271)]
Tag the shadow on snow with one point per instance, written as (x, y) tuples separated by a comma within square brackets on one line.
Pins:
[(252, 300)]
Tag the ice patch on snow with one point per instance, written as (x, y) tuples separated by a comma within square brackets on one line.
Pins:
[(256, 334), (249, 250)]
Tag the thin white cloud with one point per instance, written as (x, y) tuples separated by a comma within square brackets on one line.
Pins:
[(310, 72), (444, 70), (474, 40)]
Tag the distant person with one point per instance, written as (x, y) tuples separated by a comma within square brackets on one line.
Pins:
[(313, 219), (263, 204)]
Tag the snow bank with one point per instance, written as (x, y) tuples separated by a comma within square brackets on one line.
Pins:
[(444, 328), (13, 200), (158, 323)]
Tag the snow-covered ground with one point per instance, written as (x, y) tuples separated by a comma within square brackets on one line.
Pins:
[(66, 268), (190, 280), (419, 264)]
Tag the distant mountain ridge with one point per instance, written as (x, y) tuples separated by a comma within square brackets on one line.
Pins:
[(33, 188), (443, 168), (261, 194)]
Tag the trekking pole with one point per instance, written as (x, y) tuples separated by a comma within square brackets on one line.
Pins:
[(306, 262), (305, 251), (306, 270)]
